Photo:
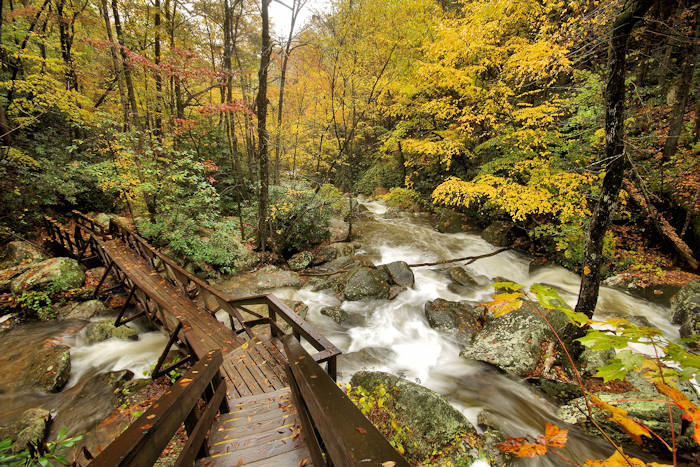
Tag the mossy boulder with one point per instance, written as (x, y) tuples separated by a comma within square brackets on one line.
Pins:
[(591, 360), (456, 318), (558, 392), (514, 342), (685, 308), (300, 261), (499, 233), (17, 253), (366, 283), (271, 277), (449, 221), (333, 251), (460, 276), (49, 367), (83, 310), (335, 313), (99, 331), (31, 427), (60, 274), (433, 422), (399, 273)]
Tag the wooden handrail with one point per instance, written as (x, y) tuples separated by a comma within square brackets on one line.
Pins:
[(143, 442), (327, 352), (349, 438)]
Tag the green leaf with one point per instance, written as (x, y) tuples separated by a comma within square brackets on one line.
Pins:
[(507, 285)]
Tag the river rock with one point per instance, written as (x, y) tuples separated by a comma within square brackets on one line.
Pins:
[(335, 313), (491, 436), (58, 273), (460, 276), (99, 331), (365, 282), (514, 341), (17, 253), (648, 408), (433, 422), (7, 275), (449, 221), (333, 251), (83, 310), (685, 308), (30, 428), (559, 392), (499, 233), (591, 360), (456, 318), (49, 367), (399, 273), (271, 277), (300, 260)]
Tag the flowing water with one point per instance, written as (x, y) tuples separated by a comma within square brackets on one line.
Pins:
[(394, 336)]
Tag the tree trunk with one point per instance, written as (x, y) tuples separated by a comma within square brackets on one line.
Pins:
[(676, 125), (261, 109), (115, 62), (614, 153), (158, 76), (66, 42), (127, 68)]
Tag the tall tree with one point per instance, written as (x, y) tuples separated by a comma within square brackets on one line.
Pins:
[(261, 112), (632, 12)]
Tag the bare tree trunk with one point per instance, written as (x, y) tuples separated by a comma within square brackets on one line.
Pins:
[(115, 62), (676, 125), (614, 153), (261, 109), (127, 68), (158, 76)]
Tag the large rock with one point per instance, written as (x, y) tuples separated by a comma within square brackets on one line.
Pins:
[(460, 276), (83, 310), (685, 308), (271, 277), (17, 253), (300, 261), (7, 275), (433, 422), (335, 313), (591, 360), (99, 331), (499, 233), (456, 318), (58, 274), (366, 282), (333, 251), (30, 428), (399, 273), (49, 368), (514, 342), (449, 221), (559, 392), (648, 408)]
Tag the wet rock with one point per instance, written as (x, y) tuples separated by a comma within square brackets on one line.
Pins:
[(21, 253), (460, 276), (365, 282), (456, 318), (558, 392), (300, 260), (271, 277), (7, 275), (30, 428), (645, 407), (49, 367), (84, 310), (60, 274), (433, 422), (395, 290), (490, 437), (333, 251), (99, 331), (630, 283), (685, 308), (514, 342), (298, 307), (335, 313), (499, 233), (334, 283), (591, 360), (399, 273), (449, 221)]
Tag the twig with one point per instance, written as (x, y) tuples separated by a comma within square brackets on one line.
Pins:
[(469, 259)]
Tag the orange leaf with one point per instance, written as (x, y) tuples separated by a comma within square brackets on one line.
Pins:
[(362, 431), (554, 436), (303, 462), (504, 303), (521, 447), (620, 460), (619, 416), (690, 411), (388, 464)]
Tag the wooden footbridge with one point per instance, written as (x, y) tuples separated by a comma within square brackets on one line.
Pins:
[(253, 395)]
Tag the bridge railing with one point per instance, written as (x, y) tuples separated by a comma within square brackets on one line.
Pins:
[(146, 438), (214, 300), (331, 423)]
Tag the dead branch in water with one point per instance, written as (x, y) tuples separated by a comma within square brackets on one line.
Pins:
[(468, 259)]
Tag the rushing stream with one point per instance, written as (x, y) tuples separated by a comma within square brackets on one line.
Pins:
[(394, 336)]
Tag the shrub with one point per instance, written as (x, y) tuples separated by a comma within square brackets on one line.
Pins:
[(298, 218), (379, 175), (402, 198)]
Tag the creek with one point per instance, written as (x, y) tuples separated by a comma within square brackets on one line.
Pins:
[(394, 336)]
